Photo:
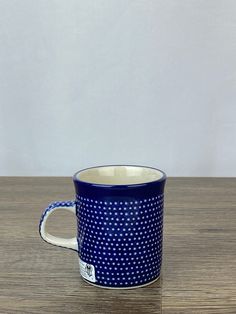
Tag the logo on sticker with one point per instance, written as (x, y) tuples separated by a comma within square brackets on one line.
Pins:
[(89, 270)]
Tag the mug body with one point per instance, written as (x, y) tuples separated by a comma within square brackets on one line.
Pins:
[(120, 224)]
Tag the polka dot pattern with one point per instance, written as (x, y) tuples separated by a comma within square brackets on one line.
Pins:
[(122, 239)]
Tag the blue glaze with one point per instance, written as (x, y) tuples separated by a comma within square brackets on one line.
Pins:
[(120, 231)]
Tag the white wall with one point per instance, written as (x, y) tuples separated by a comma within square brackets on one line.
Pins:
[(87, 82)]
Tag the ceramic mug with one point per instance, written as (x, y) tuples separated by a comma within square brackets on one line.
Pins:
[(119, 211)]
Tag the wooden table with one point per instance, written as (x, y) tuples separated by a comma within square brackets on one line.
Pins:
[(199, 267)]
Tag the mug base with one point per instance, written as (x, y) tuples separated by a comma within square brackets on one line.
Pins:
[(122, 288)]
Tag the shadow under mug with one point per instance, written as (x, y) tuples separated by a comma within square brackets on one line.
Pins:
[(119, 211)]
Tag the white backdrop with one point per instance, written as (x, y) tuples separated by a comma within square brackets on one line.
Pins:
[(90, 82)]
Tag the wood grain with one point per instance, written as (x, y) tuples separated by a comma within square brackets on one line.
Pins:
[(199, 267)]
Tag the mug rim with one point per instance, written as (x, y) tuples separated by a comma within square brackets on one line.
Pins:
[(161, 179)]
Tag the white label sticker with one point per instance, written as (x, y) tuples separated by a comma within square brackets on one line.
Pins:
[(87, 271)]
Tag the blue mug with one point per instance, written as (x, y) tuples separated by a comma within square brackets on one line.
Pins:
[(119, 211)]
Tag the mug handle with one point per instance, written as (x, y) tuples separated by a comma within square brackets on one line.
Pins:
[(66, 243)]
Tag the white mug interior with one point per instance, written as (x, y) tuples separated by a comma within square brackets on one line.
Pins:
[(119, 175)]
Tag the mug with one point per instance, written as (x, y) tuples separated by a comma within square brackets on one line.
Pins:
[(119, 211)]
